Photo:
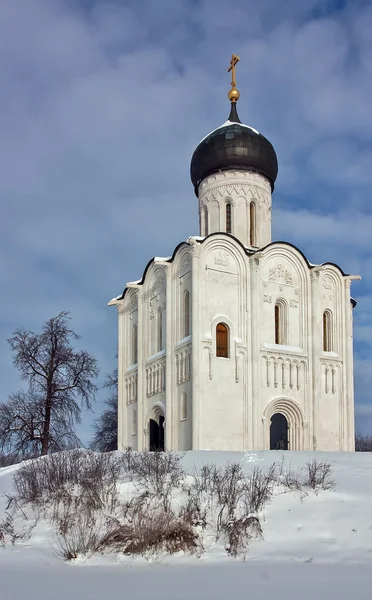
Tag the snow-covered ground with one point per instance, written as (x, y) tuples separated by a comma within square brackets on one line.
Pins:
[(313, 545)]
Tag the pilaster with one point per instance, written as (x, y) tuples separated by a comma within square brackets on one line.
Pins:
[(197, 413), (122, 407), (349, 429), (170, 397), (141, 377), (315, 350), (255, 440)]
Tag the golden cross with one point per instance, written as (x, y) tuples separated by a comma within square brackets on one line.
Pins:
[(233, 62)]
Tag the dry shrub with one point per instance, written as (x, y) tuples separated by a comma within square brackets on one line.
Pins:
[(78, 480), (8, 532), (290, 479), (159, 473), (152, 531), (80, 536), (319, 475), (229, 486), (239, 532), (259, 489)]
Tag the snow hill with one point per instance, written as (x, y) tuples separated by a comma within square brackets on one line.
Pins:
[(313, 542)]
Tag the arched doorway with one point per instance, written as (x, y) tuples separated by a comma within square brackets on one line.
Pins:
[(283, 418), (156, 430), (278, 432)]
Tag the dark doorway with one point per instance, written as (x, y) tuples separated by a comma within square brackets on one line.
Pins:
[(157, 435), (278, 432)]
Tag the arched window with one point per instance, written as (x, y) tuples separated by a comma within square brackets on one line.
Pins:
[(183, 407), (228, 217), (134, 422), (160, 330), (327, 331), (206, 224), (281, 322), (222, 340), (252, 224), (186, 313), (134, 345)]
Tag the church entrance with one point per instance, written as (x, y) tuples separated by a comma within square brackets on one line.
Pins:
[(157, 434), (278, 432)]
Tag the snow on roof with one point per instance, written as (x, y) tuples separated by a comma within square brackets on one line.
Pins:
[(132, 283), (226, 124), (165, 258), (197, 238)]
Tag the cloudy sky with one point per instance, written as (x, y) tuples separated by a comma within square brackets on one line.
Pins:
[(102, 103)]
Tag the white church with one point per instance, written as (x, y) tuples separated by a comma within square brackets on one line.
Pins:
[(236, 342)]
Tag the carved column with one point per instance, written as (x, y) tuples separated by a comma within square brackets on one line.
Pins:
[(348, 368), (197, 414), (141, 377), (170, 395), (313, 390), (122, 407), (254, 409)]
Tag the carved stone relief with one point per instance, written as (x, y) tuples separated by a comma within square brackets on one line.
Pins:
[(327, 283), (158, 286), (279, 273), (185, 262), (222, 258)]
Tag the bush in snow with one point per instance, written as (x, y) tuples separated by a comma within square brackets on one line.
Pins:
[(76, 479), (151, 531), (239, 531), (318, 475), (259, 489), (146, 532), (158, 473)]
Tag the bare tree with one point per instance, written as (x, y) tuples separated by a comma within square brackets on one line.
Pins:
[(60, 383), (105, 438), (363, 443)]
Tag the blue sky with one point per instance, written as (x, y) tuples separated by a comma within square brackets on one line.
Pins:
[(102, 103)]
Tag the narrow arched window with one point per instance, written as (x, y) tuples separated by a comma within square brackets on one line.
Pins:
[(206, 224), (327, 331), (160, 330), (252, 224), (222, 340), (228, 217), (280, 322), (183, 407), (134, 422), (134, 345), (186, 313)]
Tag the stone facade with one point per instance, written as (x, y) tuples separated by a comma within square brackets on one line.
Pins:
[(285, 377)]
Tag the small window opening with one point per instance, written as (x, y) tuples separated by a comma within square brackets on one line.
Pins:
[(186, 313), (327, 331), (183, 407), (222, 340), (228, 217), (280, 317), (134, 345), (252, 224)]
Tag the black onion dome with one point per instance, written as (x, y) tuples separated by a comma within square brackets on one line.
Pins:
[(233, 146)]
